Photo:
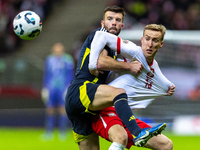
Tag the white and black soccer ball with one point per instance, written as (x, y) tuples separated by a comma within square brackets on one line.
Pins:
[(27, 25)]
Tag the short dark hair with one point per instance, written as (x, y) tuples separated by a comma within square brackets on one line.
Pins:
[(115, 9)]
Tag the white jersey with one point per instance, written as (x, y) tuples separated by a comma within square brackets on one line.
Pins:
[(142, 89)]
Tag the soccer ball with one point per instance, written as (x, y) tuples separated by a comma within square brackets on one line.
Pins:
[(27, 25)]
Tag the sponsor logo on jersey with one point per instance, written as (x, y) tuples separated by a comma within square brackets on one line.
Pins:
[(132, 118), (111, 114)]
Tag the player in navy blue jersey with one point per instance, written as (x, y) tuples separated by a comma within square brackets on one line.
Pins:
[(58, 73), (88, 92)]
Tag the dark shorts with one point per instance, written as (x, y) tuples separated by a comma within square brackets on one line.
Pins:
[(78, 99)]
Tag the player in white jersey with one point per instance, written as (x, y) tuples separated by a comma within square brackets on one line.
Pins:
[(142, 89)]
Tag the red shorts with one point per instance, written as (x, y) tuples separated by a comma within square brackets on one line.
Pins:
[(107, 118)]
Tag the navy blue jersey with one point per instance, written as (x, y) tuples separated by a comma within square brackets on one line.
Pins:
[(81, 92), (82, 71)]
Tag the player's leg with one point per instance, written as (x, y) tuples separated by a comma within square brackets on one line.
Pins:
[(62, 123), (159, 142), (106, 96), (77, 100), (118, 136), (108, 125), (49, 124), (62, 120), (50, 111), (50, 115), (50, 119), (84, 136), (90, 143), (156, 142), (142, 139)]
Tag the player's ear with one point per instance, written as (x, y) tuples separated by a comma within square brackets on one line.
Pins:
[(141, 39), (102, 23), (161, 43), (122, 25)]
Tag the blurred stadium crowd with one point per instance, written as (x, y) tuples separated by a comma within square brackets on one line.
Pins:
[(8, 10), (174, 14)]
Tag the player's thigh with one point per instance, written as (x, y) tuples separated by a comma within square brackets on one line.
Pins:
[(107, 92), (90, 143), (104, 97)]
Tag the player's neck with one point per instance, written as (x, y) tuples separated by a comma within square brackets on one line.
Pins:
[(149, 61)]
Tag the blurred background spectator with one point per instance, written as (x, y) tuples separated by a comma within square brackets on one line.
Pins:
[(58, 73)]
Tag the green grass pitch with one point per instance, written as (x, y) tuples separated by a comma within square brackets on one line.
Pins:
[(29, 139)]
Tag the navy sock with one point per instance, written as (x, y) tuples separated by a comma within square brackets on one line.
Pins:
[(125, 113)]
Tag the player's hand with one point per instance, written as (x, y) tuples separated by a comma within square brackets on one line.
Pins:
[(171, 90), (95, 72), (136, 67), (45, 94), (65, 93)]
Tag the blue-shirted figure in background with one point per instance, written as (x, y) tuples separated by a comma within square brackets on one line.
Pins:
[(58, 73)]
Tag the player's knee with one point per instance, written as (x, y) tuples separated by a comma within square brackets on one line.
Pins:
[(120, 91), (121, 138), (166, 145), (169, 145), (119, 97), (117, 91), (118, 134)]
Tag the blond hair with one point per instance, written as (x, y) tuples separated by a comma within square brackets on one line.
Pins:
[(156, 27)]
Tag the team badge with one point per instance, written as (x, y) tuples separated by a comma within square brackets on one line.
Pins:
[(125, 41)]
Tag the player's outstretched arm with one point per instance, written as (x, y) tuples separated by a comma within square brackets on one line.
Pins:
[(101, 39), (107, 63)]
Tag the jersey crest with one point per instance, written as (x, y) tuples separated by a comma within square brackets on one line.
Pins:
[(125, 41), (149, 76)]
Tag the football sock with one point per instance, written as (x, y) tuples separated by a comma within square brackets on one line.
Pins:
[(116, 146), (125, 114)]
